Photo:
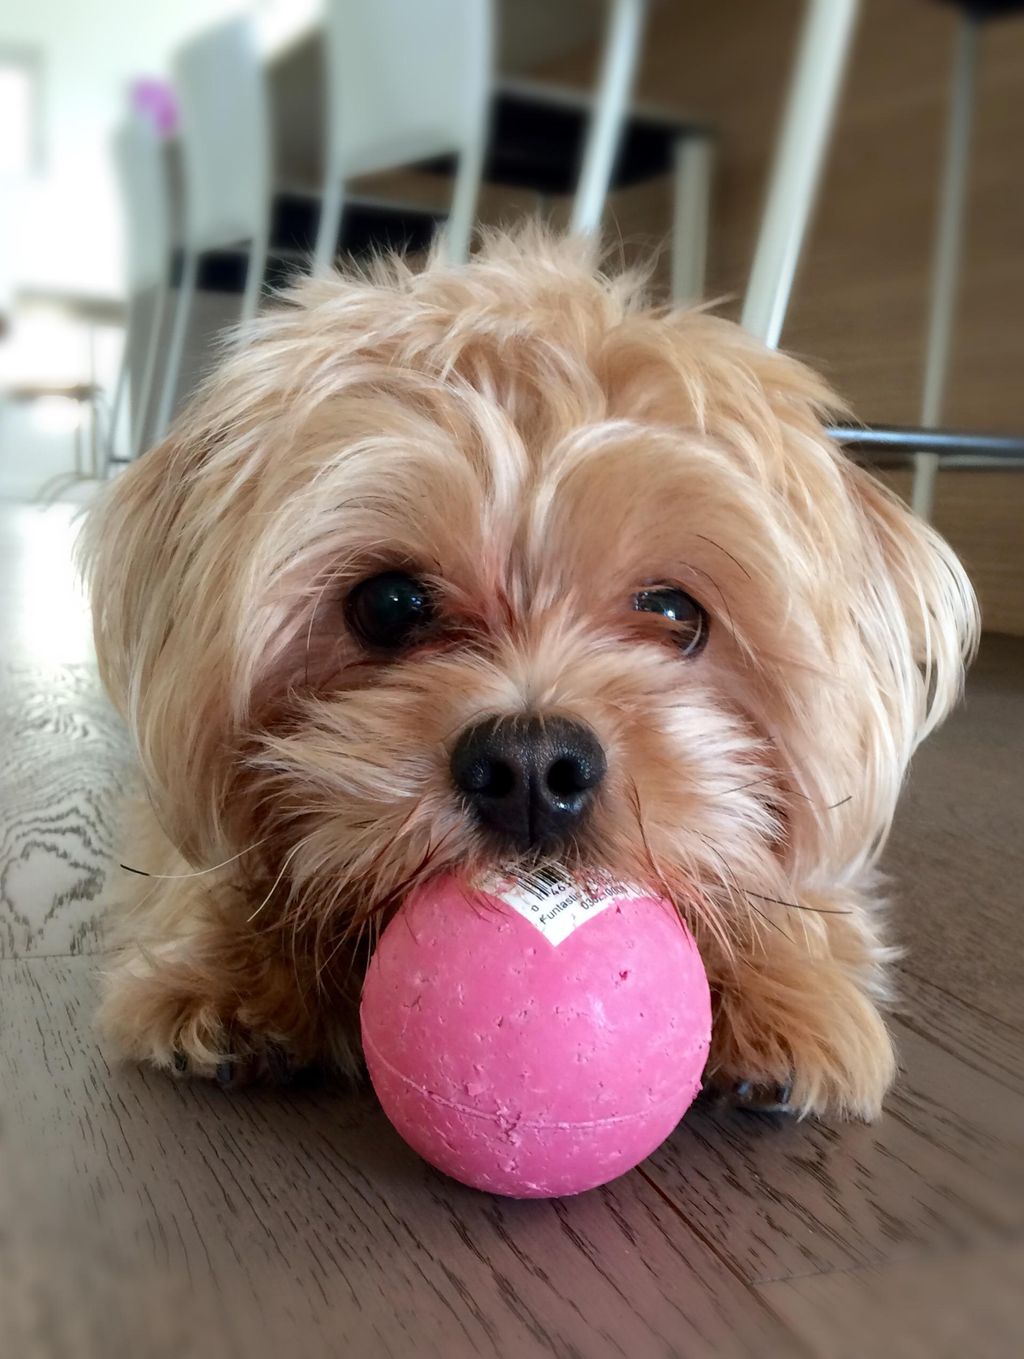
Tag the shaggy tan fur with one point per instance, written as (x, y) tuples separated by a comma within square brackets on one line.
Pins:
[(537, 442)]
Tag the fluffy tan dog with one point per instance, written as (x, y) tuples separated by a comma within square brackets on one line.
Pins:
[(494, 562)]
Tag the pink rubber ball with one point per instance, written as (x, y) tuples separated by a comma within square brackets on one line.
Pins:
[(535, 1040)]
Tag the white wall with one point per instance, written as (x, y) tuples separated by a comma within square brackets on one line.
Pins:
[(64, 229), (66, 226)]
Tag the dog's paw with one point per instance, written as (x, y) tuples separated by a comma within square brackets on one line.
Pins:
[(813, 1049), (162, 1013)]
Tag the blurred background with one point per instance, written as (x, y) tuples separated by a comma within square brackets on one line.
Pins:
[(844, 177)]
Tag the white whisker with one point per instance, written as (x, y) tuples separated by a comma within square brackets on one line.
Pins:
[(198, 872), (277, 881)]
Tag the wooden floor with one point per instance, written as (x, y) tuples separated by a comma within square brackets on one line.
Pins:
[(141, 1217)]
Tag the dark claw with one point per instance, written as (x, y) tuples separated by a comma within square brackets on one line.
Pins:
[(273, 1064), (279, 1065), (751, 1098), (225, 1072)]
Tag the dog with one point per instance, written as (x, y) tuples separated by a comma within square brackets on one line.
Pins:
[(488, 564)]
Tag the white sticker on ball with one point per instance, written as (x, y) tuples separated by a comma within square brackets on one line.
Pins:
[(554, 903)]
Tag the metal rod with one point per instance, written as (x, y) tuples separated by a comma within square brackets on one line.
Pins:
[(942, 444), (948, 243)]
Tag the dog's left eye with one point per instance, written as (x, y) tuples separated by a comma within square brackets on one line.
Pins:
[(689, 619), (391, 610)]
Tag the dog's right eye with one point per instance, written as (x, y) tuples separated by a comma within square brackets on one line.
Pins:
[(390, 611)]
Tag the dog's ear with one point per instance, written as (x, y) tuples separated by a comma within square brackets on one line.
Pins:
[(159, 634), (912, 625), (922, 620), (907, 625), (167, 552)]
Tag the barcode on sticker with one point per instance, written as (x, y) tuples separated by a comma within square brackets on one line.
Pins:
[(555, 903)]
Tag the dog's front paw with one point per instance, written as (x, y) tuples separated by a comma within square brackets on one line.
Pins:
[(819, 1047), (159, 1009)]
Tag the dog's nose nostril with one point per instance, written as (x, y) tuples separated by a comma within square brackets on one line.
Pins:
[(529, 780), (495, 778), (568, 776)]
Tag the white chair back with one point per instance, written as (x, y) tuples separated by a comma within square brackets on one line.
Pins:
[(405, 79), (225, 135), (142, 176)]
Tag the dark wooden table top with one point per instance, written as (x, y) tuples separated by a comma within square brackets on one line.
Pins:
[(142, 1216)]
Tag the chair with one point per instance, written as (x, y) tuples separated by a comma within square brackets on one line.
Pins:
[(238, 228), (405, 82), (793, 184), (626, 21)]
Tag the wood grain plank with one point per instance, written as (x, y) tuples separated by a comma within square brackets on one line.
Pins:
[(64, 755), (147, 1208), (961, 1028), (942, 1167), (63, 767), (962, 1304)]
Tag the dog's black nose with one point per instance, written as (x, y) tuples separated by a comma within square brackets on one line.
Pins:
[(529, 779)]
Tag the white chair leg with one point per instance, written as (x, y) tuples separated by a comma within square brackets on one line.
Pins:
[(120, 388), (694, 162), (331, 206), (824, 45), (946, 265), (79, 464), (102, 439), (256, 273), (176, 349), (156, 326), (458, 233), (616, 82)]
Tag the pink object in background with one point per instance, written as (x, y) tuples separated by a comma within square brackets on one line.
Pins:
[(156, 100), (532, 1057)]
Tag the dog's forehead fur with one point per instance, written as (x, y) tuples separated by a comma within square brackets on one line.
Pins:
[(523, 426)]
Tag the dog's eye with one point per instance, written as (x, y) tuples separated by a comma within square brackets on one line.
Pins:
[(391, 610), (689, 621)]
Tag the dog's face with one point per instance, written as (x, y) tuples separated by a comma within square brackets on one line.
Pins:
[(487, 563)]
